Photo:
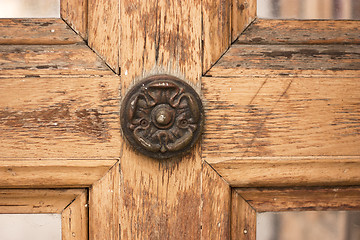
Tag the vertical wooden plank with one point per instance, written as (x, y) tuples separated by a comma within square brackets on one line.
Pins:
[(103, 30), (104, 207), (160, 36), (243, 219), (75, 13), (216, 201), (216, 30), (243, 13), (74, 219), (160, 199)]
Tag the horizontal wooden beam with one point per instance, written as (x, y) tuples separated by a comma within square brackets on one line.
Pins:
[(39, 31), (301, 199), (283, 131), (267, 31), (289, 60), (25, 201), (51, 61), (52, 173)]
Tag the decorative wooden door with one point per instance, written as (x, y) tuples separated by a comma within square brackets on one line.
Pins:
[(281, 107)]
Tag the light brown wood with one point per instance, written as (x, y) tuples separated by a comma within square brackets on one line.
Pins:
[(104, 203), (74, 13), (74, 219), (266, 31), (243, 219), (243, 14), (159, 36), (158, 198), (301, 199), (51, 173), (290, 171), (336, 61), (31, 201), (216, 205), (52, 61), (38, 31), (103, 30), (71, 118), (216, 23), (281, 131)]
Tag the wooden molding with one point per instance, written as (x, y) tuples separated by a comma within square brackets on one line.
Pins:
[(301, 199)]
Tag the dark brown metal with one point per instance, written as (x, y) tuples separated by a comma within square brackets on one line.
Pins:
[(162, 116)]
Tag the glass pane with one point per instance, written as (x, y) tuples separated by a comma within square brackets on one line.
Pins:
[(308, 225), (30, 226), (309, 9), (29, 8)]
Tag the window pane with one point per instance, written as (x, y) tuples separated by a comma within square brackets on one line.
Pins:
[(29, 8), (30, 226), (309, 9), (308, 225)]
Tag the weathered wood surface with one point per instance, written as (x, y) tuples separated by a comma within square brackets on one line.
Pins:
[(289, 128), (243, 219), (54, 60), (75, 13), (243, 14), (216, 21), (301, 199), (60, 117), (158, 198), (36, 31), (216, 205), (22, 201), (289, 60), (51, 173), (104, 200), (103, 30), (74, 219), (290, 171), (265, 31)]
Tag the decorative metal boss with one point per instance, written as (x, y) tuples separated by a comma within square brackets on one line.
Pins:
[(162, 116)]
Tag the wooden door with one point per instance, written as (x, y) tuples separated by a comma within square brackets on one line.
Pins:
[(281, 106)]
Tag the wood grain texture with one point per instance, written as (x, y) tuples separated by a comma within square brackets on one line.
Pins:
[(60, 117), (289, 60), (216, 205), (51, 173), (33, 201), (216, 23), (160, 36), (51, 61), (74, 13), (74, 219), (301, 199), (103, 30), (160, 199), (266, 31), (38, 31), (293, 125), (243, 14), (104, 202), (243, 219), (290, 171)]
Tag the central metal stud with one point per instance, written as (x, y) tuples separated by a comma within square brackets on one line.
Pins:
[(162, 116)]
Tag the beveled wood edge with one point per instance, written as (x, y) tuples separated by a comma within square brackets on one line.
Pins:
[(290, 171), (74, 218), (335, 198), (30, 201), (52, 173)]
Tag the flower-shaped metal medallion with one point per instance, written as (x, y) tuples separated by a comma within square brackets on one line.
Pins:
[(162, 116)]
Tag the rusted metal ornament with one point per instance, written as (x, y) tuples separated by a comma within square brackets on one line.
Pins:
[(162, 117)]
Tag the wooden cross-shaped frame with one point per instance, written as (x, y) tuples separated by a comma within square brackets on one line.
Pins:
[(281, 105)]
